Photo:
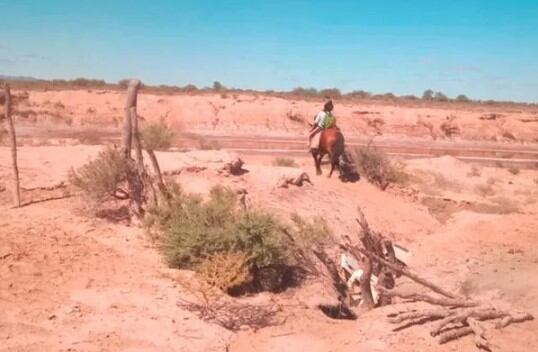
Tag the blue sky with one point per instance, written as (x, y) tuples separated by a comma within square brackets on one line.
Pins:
[(487, 49)]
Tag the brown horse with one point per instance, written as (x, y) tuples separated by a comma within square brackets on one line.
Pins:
[(332, 143)]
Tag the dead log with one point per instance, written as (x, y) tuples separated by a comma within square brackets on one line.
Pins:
[(13, 141)]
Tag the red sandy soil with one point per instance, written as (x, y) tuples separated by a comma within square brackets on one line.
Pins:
[(73, 282), (247, 114)]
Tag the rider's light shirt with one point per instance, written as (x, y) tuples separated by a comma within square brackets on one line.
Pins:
[(319, 120)]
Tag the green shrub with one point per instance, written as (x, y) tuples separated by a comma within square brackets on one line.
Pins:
[(194, 230), (104, 176), (223, 243), (287, 162)]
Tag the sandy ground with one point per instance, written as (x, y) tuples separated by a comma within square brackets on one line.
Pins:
[(242, 114), (72, 282)]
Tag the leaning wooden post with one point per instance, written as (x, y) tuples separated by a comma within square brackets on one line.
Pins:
[(130, 132), (130, 106), (13, 138)]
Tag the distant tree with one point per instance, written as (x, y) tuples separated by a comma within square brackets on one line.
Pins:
[(428, 94), (123, 83), (359, 94), (409, 97), (190, 88), (389, 96), (330, 93), (463, 98), (217, 86), (439, 96), (300, 91)]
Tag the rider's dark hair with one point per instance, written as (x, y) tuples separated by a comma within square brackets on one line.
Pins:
[(328, 106)]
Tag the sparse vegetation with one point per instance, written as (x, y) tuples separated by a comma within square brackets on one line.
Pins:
[(286, 162), (157, 136), (226, 245), (377, 168), (513, 170), (208, 144), (194, 230), (484, 190), (103, 177)]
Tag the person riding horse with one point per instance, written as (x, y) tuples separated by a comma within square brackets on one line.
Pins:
[(327, 139), (323, 120)]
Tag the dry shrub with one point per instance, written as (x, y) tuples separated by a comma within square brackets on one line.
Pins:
[(207, 144), (491, 181), (449, 126), (505, 205), (474, 172), (286, 162), (103, 177), (484, 190), (157, 135), (378, 169), (225, 270), (513, 170)]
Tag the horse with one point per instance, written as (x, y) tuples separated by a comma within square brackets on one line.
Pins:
[(332, 143)]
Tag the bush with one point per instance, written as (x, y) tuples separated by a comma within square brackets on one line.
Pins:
[(378, 169), (195, 230), (513, 170), (157, 136), (229, 247), (286, 162), (225, 270), (102, 177)]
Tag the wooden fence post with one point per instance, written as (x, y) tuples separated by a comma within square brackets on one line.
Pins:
[(13, 139)]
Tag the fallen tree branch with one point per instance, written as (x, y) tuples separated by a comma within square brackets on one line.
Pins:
[(440, 301), (409, 274), (479, 334)]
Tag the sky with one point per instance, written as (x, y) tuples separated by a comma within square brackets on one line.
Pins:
[(486, 49)]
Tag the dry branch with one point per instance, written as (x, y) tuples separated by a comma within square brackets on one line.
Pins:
[(409, 274), (456, 316), (440, 301)]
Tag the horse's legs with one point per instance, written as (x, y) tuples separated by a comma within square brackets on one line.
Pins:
[(332, 169), (333, 164), (317, 161)]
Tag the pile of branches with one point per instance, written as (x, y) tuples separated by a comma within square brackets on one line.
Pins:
[(212, 305), (455, 316), (232, 315)]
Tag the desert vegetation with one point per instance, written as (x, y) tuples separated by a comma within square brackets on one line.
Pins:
[(428, 96), (287, 162), (377, 168)]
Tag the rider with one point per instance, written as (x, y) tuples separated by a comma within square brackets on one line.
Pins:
[(323, 119)]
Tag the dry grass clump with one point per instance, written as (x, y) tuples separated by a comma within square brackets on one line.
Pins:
[(104, 177), (157, 136), (207, 144), (513, 170), (484, 190), (377, 168), (286, 162), (225, 270)]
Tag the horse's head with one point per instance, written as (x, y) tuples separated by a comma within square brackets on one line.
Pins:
[(348, 169)]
